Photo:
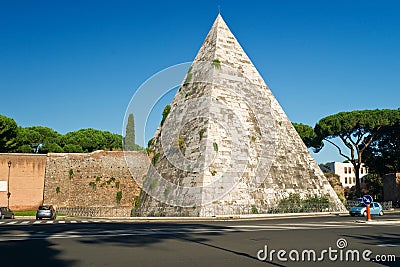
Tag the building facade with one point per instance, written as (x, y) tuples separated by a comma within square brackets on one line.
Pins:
[(346, 172)]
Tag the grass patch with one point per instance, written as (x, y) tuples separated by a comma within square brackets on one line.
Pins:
[(25, 212), (31, 213)]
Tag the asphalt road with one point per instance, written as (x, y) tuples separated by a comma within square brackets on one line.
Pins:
[(88, 242)]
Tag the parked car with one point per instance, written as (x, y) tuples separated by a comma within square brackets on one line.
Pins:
[(361, 209), (6, 213), (46, 211)]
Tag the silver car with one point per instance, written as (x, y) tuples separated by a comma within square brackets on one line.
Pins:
[(46, 211)]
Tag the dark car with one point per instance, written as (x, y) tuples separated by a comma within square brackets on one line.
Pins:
[(6, 213), (46, 211)]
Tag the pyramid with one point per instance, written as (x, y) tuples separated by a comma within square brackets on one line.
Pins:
[(226, 146)]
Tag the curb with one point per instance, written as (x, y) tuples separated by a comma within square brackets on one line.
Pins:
[(379, 222), (219, 217), (228, 217), (34, 217)]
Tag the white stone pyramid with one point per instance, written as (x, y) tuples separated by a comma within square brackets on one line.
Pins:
[(226, 146)]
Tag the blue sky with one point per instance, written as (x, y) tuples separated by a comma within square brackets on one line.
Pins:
[(76, 64)]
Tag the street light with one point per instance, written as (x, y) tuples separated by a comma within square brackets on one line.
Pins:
[(8, 185)]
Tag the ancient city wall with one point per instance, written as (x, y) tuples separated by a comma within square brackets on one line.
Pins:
[(391, 187), (92, 180), (26, 180)]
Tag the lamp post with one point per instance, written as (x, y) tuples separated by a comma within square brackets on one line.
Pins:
[(8, 185)]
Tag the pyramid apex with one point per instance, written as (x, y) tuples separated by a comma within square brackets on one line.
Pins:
[(219, 19)]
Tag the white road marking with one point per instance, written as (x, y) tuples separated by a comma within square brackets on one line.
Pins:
[(85, 221), (37, 222), (13, 222), (1, 222), (49, 222), (61, 221), (73, 221), (25, 222)]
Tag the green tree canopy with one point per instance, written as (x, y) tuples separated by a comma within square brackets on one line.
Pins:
[(374, 185), (307, 134), (356, 130), (383, 155), (8, 133), (29, 138), (91, 140), (14, 138), (72, 148)]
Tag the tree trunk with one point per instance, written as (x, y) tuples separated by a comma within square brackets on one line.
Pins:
[(358, 182)]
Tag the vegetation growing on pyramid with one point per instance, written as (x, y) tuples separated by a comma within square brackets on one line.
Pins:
[(149, 150), (216, 63), (118, 197), (215, 145), (201, 133), (188, 78), (181, 142), (167, 191), (150, 142), (154, 184), (165, 113), (294, 203), (155, 158)]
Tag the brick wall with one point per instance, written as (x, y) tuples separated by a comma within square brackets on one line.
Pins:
[(26, 180), (92, 180)]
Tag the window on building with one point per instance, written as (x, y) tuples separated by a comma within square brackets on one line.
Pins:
[(345, 169), (349, 170), (354, 180), (362, 170), (345, 180)]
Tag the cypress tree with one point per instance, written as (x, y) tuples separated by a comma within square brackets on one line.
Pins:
[(129, 139)]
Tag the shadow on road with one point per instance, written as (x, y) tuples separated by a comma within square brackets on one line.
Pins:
[(36, 243), (386, 239), (31, 253)]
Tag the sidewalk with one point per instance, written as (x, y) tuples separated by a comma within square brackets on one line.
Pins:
[(228, 217), (231, 217)]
